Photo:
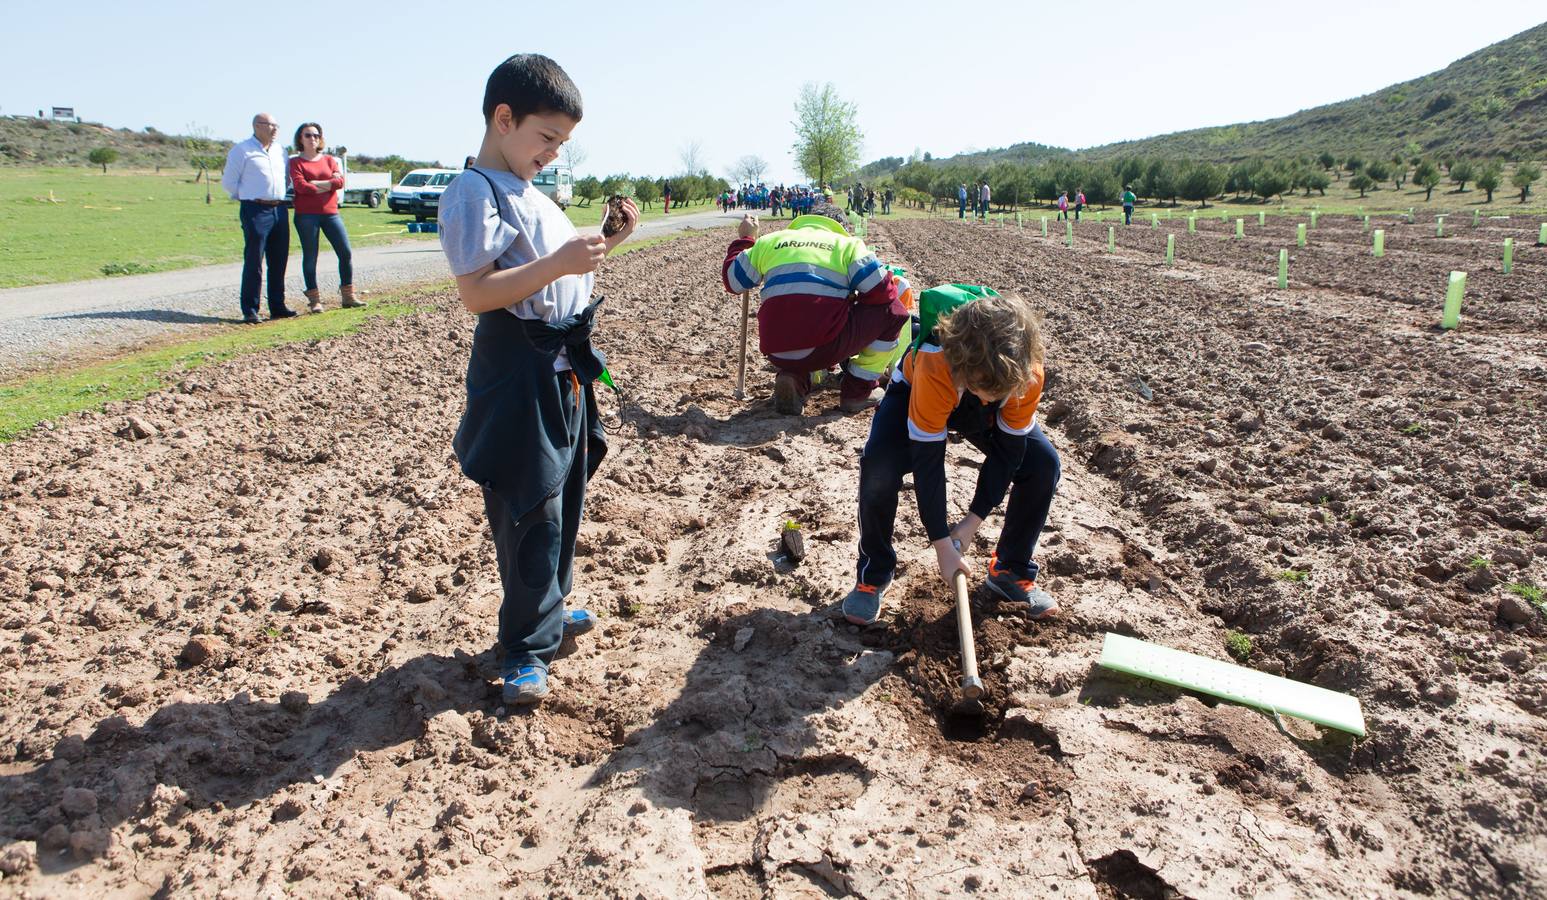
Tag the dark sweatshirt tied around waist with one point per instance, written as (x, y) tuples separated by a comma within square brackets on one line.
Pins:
[(515, 437)]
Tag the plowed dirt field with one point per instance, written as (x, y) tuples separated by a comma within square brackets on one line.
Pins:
[(251, 654)]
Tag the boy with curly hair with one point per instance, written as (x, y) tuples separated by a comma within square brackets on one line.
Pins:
[(976, 369)]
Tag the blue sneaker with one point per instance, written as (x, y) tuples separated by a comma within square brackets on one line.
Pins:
[(525, 685), (578, 622), (1016, 589), (863, 604)]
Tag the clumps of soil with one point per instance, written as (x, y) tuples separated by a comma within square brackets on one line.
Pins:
[(614, 220)]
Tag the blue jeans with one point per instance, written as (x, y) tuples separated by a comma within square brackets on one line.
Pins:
[(265, 238), (961, 207), (888, 457), (332, 225), (1127, 213)]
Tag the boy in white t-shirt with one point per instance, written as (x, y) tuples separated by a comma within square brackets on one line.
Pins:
[(530, 435)]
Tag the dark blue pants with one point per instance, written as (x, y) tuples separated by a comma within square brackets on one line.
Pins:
[(331, 225), (1127, 214), (265, 238), (888, 458), (536, 553), (961, 208)]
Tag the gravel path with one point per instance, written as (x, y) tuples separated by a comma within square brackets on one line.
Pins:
[(48, 324)]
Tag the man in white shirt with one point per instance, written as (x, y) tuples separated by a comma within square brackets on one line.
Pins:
[(256, 174)]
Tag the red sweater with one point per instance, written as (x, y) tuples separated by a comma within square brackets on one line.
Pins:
[(307, 198)]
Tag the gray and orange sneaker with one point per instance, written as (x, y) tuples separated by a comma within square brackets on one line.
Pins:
[(1018, 589), (863, 604)]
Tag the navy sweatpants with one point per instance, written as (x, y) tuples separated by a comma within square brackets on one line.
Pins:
[(536, 552), (888, 458)]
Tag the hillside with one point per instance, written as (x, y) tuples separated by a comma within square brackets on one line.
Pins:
[(1489, 103), (1027, 152), (26, 141)]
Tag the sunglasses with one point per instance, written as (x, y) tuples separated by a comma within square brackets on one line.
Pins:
[(311, 134)]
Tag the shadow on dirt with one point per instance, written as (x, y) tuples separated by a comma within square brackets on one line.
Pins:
[(162, 316), (746, 735), (226, 754)]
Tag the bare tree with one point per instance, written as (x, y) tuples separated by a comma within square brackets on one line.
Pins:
[(574, 156), (749, 169), (691, 156)]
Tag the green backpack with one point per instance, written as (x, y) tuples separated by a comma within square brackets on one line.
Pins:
[(940, 301)]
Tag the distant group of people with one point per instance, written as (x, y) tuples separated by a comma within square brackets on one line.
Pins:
[(978, 195), (262, 176), (776, 201), (863, 200)]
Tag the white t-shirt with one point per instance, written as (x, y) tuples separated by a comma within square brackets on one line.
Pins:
[(523, 226)]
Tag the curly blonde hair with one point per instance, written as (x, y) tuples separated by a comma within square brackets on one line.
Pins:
[(992, 345)]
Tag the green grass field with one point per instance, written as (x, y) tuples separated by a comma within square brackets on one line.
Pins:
[(64, 224)]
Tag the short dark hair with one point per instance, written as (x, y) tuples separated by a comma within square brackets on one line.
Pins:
[(530, 83)]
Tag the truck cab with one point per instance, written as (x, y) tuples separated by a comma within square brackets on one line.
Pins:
[(558, 182)]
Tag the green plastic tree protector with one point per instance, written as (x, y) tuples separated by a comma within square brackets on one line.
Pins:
[(1068, 232), (1192, 225), (1111, 239), (1541, 236), (1238, 684), (1475, 217), (1240, 228), (1262, 217), (1044, 226), (1453, 295), (1509, 255), (1380, 242), (1300, 235), (1439, 226), (1283, 269), (1313, 218), (1155, 221), (1170, 249)]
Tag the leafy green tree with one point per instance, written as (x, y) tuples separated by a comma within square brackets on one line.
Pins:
[(1378, 170), (827, 138), (1101, 185), (646, 191), (1159, 181), (616, 184), (1327, 160), (1525, 175), (1271, 182), (1200, 181), (1317, 181), (588, 189), (1414, 152), (1354, 163), (102, 156), (1462, 171), (1427, 176), (1361, 182), (1242, 176), (1490, 176)]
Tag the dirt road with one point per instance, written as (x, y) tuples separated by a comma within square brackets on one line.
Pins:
[(252, 651), (49, 324)]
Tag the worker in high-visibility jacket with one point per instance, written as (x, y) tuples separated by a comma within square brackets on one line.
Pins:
[(826, 301)]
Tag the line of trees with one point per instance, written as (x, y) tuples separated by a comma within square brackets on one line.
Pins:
[(1169, 180), (697, 187)]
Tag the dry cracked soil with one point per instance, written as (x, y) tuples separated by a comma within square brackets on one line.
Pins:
[(246, 640)]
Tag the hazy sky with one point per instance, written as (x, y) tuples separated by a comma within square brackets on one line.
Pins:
[(941, 76)]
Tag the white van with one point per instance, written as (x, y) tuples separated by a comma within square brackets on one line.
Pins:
[(558, 182), (406, 196)]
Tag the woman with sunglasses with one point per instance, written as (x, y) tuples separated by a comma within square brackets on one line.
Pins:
[(317, 179)]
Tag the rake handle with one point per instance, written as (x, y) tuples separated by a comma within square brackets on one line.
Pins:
[(972, 685), (741, 372)]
